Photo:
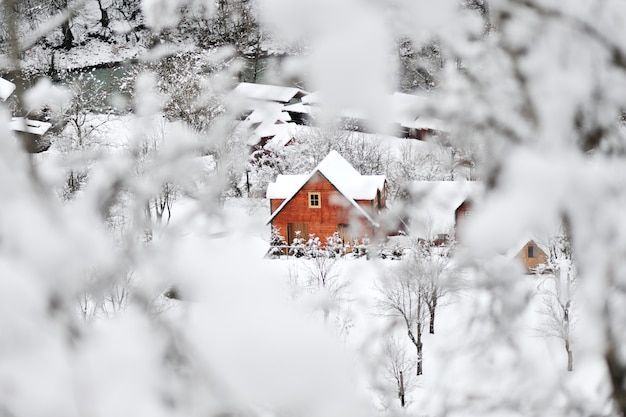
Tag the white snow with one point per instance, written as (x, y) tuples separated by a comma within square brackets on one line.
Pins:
[(285, 186), (433, 204), (267, 92), (6, 89), (35, 127)]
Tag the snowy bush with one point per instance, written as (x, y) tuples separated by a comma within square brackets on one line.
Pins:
[(277, 243), (334, 246), (360, 247), (314, 247), (298, 247)]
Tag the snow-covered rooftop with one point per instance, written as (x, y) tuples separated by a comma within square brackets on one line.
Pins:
[(267, 92), (435, 202), (299, 108), (407, 107), (514, 250), (35, 127), (6, 89), (427, 123), (285, 186), (268, 112), (347, 180)]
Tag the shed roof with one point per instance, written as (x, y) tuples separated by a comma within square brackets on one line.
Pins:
[(434, 204), (347, 180), (35, 127), (514, 250), (6, 89), (268, 92), (405, 109)]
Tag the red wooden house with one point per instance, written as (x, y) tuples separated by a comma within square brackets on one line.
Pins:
[(332, 197)]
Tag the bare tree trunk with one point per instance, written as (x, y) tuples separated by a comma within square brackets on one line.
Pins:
[(104, 15), (570, 356), (432, 310), (401, 390), (419, 345), (617, 373), (68, 38)]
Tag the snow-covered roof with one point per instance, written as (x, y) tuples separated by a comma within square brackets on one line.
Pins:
[(281, 134), (347, 180), (299, 108), (407, 107), (312, 98), (435, 202), (268, 92), (514, 250), (426, 123), (35, 127), (408, 111), (6, 89), (268, 112), (285, 186)]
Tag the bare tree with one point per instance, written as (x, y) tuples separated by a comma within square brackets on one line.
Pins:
[(80, 124), (158, 201), (557, 293), (403, 295), (439, 274), (398, 368)]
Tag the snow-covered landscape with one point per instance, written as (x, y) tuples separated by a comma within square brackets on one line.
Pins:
[(308, 209)]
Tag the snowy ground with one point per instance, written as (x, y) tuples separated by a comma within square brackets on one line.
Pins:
[(361, 327)]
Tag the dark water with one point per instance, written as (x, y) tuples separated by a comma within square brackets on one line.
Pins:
[(107, 87), (100, 84)]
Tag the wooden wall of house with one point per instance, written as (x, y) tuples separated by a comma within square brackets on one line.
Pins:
[(532, 263), (461, 212), (324, 221), (275, 203)]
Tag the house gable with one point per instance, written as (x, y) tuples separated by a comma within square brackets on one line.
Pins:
[(532, 256), (334, 197), (331, 199), (335, 210), (342, 176)]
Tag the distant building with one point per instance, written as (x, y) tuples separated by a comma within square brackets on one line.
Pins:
[(531, 253), (435, 209)]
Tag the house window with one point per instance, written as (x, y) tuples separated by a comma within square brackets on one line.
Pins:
[(531, 251), (315, 200)]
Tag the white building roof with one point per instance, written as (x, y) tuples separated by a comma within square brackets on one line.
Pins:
[(268, 112), (405, 109), (347, 180), (514, 250), (434, 204), (35, 127), (300, 108), (285, 186), (267, 92), (6, 89)]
